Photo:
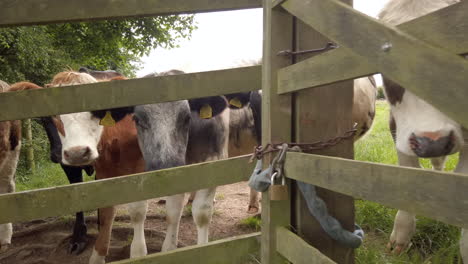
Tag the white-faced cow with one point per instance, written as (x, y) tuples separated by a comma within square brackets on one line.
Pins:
[(163, 134), (245, 121), (10, 145), (74, 174), (419, 129)]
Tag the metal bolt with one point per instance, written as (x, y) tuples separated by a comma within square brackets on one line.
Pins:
[(387, 46)]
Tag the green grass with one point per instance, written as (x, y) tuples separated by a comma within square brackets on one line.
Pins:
[(434, 242), (252, 222)]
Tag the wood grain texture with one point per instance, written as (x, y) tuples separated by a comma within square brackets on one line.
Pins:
[(438, 195), (29, 12), (445, 28), (104, 95), (37, 204), (296, 250), (276, 119), (233, 250), (320, 114), (434, 74)]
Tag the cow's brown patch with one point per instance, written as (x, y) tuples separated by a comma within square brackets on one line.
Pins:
[(23, 86), (394, 92), (15, 134), (59, 125)]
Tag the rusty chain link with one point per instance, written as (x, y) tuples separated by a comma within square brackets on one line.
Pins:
[(260, 151)]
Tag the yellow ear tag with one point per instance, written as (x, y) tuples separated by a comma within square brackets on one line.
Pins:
[(107, 120), (235, 102), (206, 112)]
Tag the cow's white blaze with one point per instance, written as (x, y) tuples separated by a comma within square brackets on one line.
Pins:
[(413, 115)]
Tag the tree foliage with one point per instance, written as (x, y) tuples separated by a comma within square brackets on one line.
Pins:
[(36, 53)]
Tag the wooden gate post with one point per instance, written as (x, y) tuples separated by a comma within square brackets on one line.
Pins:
[(276, 117), (323, 113)]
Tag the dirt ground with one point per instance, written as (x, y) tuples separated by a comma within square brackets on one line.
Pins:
[(46, 241)]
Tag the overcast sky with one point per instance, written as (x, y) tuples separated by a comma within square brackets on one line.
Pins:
[(224, 40)]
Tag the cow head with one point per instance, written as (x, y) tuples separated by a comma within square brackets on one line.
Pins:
[(421, 129), (80, 132), (101, 75)]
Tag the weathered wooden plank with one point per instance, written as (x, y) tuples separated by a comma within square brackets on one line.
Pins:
[(296, 250), (433, 74), (27, 12), (36, 204), (445, 28), (276, 3), (276, 118), (328, 108), (333, 66), (233, 250), (438, 195), (79, 98)]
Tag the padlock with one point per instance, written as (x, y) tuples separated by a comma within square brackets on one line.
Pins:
[(278, 192)]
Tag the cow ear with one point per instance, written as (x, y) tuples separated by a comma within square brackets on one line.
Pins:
[(111, 116), (238, 100), (208, 107)]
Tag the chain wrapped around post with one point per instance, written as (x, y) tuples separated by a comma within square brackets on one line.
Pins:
[(262, 180)]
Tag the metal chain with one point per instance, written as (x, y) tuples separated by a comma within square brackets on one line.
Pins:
[(261, 151)]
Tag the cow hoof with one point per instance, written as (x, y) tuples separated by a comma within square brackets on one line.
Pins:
[(76, 248), (4, 247), (397, 248), (252, 209)]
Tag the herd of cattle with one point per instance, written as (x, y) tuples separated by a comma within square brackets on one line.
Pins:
[(121, 141)]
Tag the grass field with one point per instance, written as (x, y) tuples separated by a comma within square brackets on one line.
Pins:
[(434, 242)]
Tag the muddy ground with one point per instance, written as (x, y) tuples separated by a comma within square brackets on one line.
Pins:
[(46, 241)]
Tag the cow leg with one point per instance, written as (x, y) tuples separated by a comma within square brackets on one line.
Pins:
[(438, 163), (7, 185), (137, 212), (101, 248), (254, 205), (174, 206), (6, 230), (404, 225), (79, 239), (462, 167), (191, 197), (202, 211)]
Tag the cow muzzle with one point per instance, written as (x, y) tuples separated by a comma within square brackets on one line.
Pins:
[(432, 144), (76, 156)]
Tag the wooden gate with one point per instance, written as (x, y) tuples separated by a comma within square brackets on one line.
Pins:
[(292, 111)]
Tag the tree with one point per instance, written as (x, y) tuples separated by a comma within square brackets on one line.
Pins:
[(36, 53)]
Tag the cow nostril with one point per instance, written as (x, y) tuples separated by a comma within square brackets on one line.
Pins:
[(87, 151), (66, 154)]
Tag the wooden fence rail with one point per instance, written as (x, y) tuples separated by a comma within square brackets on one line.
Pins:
[(103, 95), (438, 195), (36, 204), (296, 250), (28, 12), (445, 28), (233, 250), (435, 75)]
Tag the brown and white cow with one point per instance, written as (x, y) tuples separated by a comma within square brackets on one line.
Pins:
[(419, 129), (163, 134), (10, 145), (245, 121)]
